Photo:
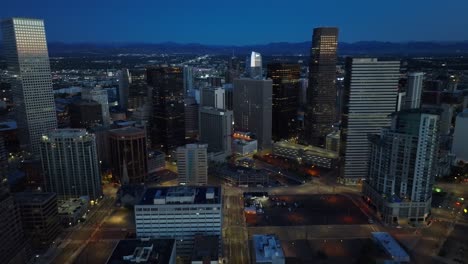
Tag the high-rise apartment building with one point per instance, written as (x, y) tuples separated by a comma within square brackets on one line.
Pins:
[(402, 167), (285, 100), (414, 90), (321, 94), (168, 119), (192, 164), (371, 88), (253, 109), (70, 163), (25, 46), (39, 216), (216, 129), (100, 96), (129, 154)]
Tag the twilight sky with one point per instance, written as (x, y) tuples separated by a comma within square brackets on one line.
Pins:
[(243, 21)]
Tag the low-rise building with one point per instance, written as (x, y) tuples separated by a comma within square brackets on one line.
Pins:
[(309, 155), (70, 211), (145, 251), (391, 247), (243, 143), (181, 213), (268, 249), (156, 161), (242, 176)]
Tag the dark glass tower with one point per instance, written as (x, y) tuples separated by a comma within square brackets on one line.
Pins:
[(321, 94), (285, 99), (168, 119)]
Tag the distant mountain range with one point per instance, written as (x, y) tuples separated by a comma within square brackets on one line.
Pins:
[(278, 48)]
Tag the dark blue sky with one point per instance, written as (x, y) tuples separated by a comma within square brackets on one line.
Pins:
[(242, 21)]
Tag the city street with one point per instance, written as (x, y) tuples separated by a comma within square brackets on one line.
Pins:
[(234, 230)]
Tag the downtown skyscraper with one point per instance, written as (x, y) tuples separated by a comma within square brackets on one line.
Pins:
[(252, 109), (25, 46), (321, 94), (285, 99), (168, 118), (371, 88)]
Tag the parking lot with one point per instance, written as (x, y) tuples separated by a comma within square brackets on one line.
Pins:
[(300, 210), (331, 251)]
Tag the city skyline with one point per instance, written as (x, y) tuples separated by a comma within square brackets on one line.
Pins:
[(165, 155), (188, 24)]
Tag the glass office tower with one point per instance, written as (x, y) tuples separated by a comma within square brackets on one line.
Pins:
[(27, 58)]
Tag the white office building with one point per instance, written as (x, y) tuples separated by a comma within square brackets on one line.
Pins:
[(70, 163), (460, 143), (26, 54), (255, 64), (371, 88), (192, 164), (99, 95), (181, 213)]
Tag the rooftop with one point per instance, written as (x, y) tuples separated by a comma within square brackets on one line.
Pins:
[(65, 133), (391, 246), (127, 131), (142, 251), (308, 149), (71, 206), (267, 248), (181, 195), (194, 146)]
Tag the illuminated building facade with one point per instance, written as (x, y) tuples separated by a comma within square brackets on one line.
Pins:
[(25, 46), (321, 94)]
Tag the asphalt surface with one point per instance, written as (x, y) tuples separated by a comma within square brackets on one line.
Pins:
[(236, 249), (292, 210)]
